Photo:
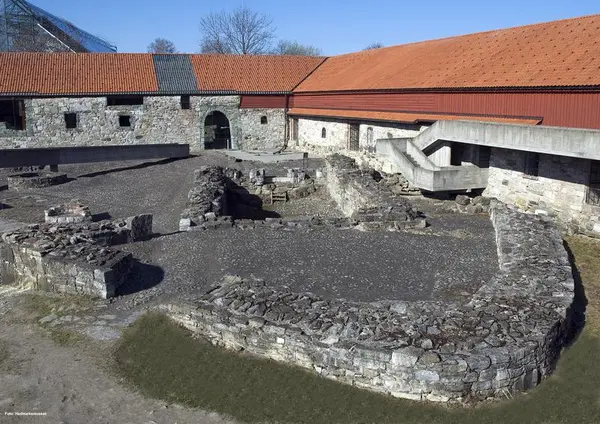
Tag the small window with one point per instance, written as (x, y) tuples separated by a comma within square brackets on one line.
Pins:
[(124, 100), (532, 164), (323, 133), (185, 102), (124, 120), (71, 120), (370, 135), (390, 135), (593, 195), (263, 120)]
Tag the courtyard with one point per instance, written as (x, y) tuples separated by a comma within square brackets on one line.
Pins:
[(411, 278)]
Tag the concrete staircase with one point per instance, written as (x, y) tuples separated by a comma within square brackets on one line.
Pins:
[(405, 157), (412, 156)]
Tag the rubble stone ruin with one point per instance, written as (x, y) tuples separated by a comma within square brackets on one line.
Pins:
[(504, 337)]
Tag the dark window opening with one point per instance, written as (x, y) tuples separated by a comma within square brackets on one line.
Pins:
[(354, 137), (124, 120), (12, 114), (323, 133), (185, 102), (124, 100), (295, 129), (263, 120), (532, 164), (70, 120), (593, 195), (370, 135)]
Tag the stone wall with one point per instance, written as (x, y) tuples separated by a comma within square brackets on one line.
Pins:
[(337, 133), (359, 195), (505, 339), (159, 120), (70, 258), (559, 190), (207, 199), (259, 136)]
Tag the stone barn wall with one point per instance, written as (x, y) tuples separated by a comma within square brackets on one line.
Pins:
[(259, 136), (336, 140), (160, 119), (559, 190)]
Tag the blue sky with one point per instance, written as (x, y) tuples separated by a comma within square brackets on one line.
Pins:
[(334, 26)]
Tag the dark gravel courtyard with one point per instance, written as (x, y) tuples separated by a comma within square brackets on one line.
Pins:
[(449, 259)]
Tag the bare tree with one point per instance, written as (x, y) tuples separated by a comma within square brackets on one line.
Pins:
[(372, 46), (162, 45), (239, 32), (285, 47)]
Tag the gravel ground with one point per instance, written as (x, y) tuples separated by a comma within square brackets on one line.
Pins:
[(122, 189), (450, 258), (361, 266)]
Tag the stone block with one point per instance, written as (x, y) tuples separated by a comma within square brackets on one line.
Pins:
[(140, 227)]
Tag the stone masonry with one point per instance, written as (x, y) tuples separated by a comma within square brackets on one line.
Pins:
[(504, 339), (159, 120), (359, 196), (559, 190), (71, 258)]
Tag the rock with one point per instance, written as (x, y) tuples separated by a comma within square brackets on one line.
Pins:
[(48, 318), (462, 200), (429, 358), (140, 227)]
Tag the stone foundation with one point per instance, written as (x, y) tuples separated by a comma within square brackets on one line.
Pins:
[(360, 197), (72, 212), (207, 199), (505, 339), (27, 180), (71, 258)]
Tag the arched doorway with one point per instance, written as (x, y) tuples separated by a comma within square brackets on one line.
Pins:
[(217, 134)]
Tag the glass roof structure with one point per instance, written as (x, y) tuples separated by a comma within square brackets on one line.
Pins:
[(26, 27)]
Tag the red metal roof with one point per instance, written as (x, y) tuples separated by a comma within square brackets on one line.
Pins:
[(406, 118), (246, 73), (99, 73), (559, 53), (76, 73)]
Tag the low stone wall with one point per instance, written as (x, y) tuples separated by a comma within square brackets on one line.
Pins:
[(504, 339), (359, 196), (71, 258), (207, 199), (27, 180)]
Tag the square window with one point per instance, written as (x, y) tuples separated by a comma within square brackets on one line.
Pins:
[(263, 120), (71, 120), (185, 102), (124, 120), (532, 164)]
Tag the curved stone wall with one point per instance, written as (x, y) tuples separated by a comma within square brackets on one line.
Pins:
[(504, 339)]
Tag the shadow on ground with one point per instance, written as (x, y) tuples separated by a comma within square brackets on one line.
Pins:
[(132, 167), (143, 277)]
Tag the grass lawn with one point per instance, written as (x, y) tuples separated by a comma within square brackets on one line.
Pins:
[(163, 361)]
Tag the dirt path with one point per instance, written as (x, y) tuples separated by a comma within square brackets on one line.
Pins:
[(67, 383)]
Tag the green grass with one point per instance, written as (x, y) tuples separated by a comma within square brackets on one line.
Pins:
[(164, 361), (41, 305)]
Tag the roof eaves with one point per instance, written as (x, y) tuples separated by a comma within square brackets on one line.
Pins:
[(459, 89)]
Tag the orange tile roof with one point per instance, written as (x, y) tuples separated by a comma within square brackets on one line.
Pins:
[(252, 73), (76, 73), (406, 118), (559, 53)]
